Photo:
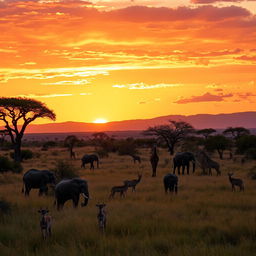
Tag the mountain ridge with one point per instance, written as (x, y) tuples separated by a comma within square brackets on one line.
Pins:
[(199, 121)]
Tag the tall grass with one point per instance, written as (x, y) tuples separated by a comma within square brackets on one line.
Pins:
[(205, 218)]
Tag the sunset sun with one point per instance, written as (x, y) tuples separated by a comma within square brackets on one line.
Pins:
[(100, 121)]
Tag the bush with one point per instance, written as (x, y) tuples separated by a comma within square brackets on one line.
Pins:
[(127, 147), (101, 152), (5, 207), (9, 165), (251, 153), (245, 143), (25, 154), (64, 170), (252, 173)]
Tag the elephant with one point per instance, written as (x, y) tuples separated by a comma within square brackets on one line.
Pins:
[(71, 189), (170, 183), (90, 159), (183, 159), (34, 178)]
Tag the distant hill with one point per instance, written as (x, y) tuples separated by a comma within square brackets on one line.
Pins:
[(200, 121)]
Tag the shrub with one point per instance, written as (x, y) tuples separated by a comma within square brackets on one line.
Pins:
[(25, 154), (127, 147), (251, 153), (64, 170), (5, 207), (9, 165), (101, 152), (246, 143), (252, 173)]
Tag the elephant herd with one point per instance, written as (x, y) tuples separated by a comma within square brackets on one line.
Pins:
[(68, 189)]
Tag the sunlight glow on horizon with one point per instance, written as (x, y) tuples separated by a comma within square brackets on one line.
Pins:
[(100, 121)]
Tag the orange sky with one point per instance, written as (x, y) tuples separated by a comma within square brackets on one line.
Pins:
[(120, 60)]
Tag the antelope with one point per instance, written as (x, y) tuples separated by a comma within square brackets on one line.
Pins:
[(119, 189), (133, 183), (136, 158), (45, 223), (236, 182), (102, 217)]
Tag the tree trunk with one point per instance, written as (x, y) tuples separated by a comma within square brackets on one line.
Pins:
[(171, 150), (17, 152), (220, 154)]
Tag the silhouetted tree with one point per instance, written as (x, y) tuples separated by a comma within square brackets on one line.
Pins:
[(17, 114), (219, 143), (69, 142), (206, 132), (172, 133), (236, 132), (245, 143)]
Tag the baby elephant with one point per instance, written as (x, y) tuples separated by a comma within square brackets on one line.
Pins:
[(45, 223), (170, 183), (236, 182), (102, 217)]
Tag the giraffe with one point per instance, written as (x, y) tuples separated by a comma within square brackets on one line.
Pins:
[(154, 160)]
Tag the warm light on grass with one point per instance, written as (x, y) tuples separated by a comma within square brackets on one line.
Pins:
[(100, 121)]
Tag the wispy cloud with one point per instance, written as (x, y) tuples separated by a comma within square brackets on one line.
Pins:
[(204, 98), (43, 96), (143, 86), (75, 82)]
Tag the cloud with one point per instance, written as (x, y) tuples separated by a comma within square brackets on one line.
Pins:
[(43, 96), (74, 82), (246, 58), (143, 86), (43, 74), (213, 1), (204, 98)]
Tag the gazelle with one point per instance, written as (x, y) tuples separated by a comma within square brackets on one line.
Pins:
[(236, 182), (133, 183), (119, 189)]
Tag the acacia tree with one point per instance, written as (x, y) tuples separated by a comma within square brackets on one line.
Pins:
[(69, 142), (236, 132), (219, 143), (172, 133), (17, 114), (206, 132)]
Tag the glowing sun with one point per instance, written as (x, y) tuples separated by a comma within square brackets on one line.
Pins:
[(100, 121)]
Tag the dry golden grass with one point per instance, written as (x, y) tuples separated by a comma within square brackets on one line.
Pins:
[(205, 218)]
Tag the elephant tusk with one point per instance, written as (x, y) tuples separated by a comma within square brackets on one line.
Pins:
[(85, 196)]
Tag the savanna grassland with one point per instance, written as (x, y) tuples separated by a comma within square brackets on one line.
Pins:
[(205, 218)]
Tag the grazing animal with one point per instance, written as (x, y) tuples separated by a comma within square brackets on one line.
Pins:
[(70, 190), (183, 159), (90, 159), (154, 160), (170, 183), (136, 158), (73, 155), (45, 223), (206, 162), (133, 183), (36, 179), (119, 189), (102, 217), (236, 182)]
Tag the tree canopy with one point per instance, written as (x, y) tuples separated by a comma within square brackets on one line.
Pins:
[(17, 114), (236, 132), (171, 133)]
